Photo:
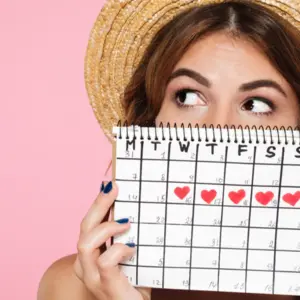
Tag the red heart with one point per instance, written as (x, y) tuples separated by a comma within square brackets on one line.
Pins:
[(291, 199), (264, 198), (208, 196), (182, 192), (237, 197)]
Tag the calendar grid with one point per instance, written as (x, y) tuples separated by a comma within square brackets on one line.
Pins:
[(216, 226), (209, 161), (205, 183), (139, 212), (193, 216), (215, 205), (277, 217), (166, 216), (249, 218), (221, 219)]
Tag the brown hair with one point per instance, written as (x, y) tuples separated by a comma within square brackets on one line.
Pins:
[(279, 41)]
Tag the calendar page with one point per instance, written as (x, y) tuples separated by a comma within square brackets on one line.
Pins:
[(210, 209)]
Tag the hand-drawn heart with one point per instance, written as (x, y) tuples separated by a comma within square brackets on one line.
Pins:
[(264, 198), (208, 196), (291, 199), (182, 192), (237, 197)]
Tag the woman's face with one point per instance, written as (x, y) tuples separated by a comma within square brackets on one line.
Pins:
[(226, 81)]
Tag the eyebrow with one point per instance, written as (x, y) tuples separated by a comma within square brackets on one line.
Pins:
[(244, 87)]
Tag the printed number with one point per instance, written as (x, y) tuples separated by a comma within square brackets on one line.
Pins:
[(271, 244), (244, 244), (247, 181), (163, 177), (129, 154), (132, 197), (275, 182), (275, 203), (250, 158), (214, 262), (271, 224), (160, 220), (217, 222), (212, 285), (163, 155), (219, 180), (242, 265), (294, 288), (279, 160), (298, 246), (269, 288), (156, 282), (185, 283), (188, 262), (270, 267), (222, 158), (239, 286), (129, 278), (192, 178), (245, 202), (131, 259), (161, 198), (159, 240), (134, 176), (188, 200), (215, 243), (217, 202), (297, 268), (244, 223), (160, 262), (188, 220), (187, 242)]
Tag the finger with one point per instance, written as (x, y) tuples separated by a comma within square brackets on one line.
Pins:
[(88, 245), (100, 208), (108, 262)]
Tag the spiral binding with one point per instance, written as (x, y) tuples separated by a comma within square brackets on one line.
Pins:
[(204, 133)]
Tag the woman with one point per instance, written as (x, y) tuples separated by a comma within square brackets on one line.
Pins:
[(228, 63)]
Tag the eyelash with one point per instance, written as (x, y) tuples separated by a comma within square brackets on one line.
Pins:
[(262, 99), (186, 90)]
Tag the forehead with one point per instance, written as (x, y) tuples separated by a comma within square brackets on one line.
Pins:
[(227, 54)]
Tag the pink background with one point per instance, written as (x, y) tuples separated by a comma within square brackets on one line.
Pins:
[(53, 152)]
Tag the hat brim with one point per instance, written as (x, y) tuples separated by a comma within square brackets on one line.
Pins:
[(119, 37)]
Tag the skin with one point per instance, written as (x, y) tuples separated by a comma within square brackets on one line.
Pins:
[(241, 87)]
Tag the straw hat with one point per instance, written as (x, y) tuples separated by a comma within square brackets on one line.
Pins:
[(121, 33)]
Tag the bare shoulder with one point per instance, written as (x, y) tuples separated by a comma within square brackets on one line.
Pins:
[(60, 282)]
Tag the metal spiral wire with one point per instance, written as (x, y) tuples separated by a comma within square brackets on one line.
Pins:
[(204, 133)]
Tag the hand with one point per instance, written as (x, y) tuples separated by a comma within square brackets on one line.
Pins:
[(100, 272)]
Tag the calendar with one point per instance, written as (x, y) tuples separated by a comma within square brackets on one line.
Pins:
[(211, 209)]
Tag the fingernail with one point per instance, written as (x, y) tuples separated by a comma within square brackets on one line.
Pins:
[(123, 221), (131, 245), (107, 188), (102, 187)]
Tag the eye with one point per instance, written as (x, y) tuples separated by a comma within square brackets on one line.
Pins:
[(188, 97), (258, 106)]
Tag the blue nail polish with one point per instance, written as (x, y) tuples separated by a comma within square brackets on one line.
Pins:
[(108, 188), (123, 221), (131, 245), (102, 187)]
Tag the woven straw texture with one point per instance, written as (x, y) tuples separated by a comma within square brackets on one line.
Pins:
[(121, 32)]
